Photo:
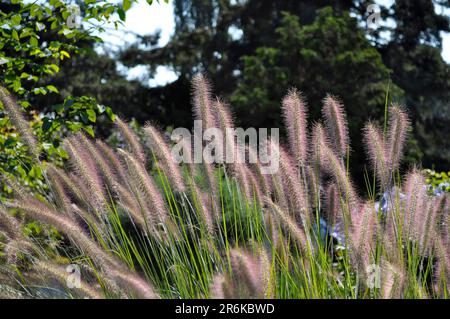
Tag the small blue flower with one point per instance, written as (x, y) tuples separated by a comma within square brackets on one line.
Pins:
[(387, 200), (331, 231), (338, 233), (441, 189)]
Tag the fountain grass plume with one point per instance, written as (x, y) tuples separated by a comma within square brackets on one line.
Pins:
[(255, 191), (68, 191), (336, 124), (41, 212), (71, 187), (210, 177), (9, 224), (427, 221), (155, 207), (89, 176), (289, 224), (237, 167), (224, 121), (378, 154), (318, 138), (52, 271), (295, 118), (278, 192), (202, 207), (338, 171), (219, 288), (60, 196), (132, 140), (330, 163), (272, 227), (16, 249), (13, 185), (398, 129), (293, 188), (203, 111), (415, 204), (253, 269), (363, 236), (246, 271), (264, 180), (312, 185), (392, 281), (249, 278), (101, 164), (110, 266), (156, 143), (202, 101), (17, 118), (112, 159), (443, 265), (332, 204)]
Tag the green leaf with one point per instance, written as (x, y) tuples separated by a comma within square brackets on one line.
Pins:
[(62, 153), (15, 35), (35, 172), (121, 13), (65, 14), (10, 141), (40, 90), (54, 67), (110, 114), (91, 115), (52, 88), (64, 54), (40, 26), (47, 124), (25, 104), (101, 108), (34, 42), (17, 85), (89, 130), (58, 108), (126, 5), (54, 25), (16, 19)]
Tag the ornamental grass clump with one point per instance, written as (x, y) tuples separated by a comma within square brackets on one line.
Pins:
[(135, 223)]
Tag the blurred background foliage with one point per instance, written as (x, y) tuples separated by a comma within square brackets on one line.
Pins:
[(438, 180), (255, 50), (252, 50), (36, 39)]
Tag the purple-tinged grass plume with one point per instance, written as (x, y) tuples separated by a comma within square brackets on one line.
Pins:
[(250, 276), (17, 118), (378, 154), (202, 101), (336, 124), (132, 140), (398, 129), (156, 143), (295, 119)]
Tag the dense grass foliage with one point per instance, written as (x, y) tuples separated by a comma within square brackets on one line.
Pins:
[(137, 224)]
